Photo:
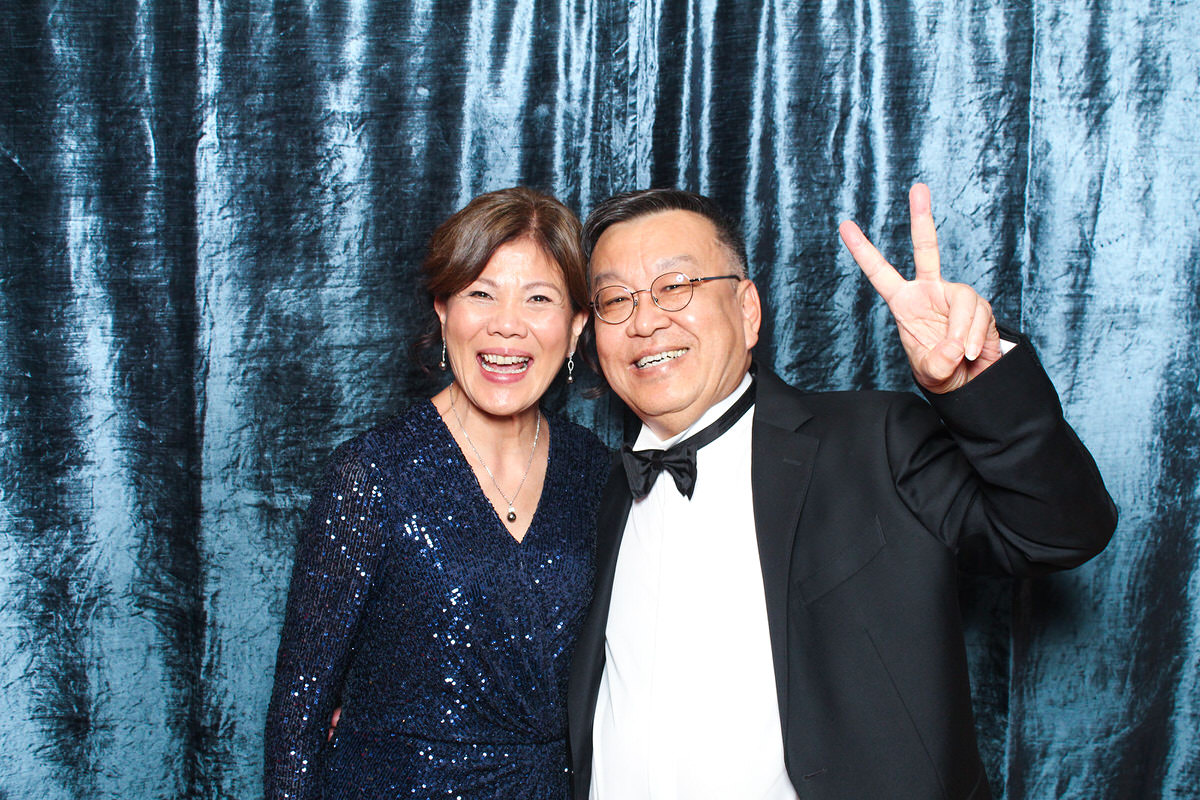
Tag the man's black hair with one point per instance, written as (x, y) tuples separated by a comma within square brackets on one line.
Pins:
[(631, 205)]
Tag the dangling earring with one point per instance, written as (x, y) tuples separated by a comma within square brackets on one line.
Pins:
[(570, 368), (442, 363)]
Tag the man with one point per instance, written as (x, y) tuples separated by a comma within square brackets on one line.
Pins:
[(782, 621)]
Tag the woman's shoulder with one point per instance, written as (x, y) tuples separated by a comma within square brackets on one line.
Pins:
[(395, 440), (580, 443)]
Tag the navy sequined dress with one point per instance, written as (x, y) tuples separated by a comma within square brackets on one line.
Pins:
[(446, 642)]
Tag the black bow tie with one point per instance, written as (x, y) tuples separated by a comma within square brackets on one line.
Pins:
[(642, 467)]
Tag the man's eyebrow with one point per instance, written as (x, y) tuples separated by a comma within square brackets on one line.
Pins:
[(662, 265)]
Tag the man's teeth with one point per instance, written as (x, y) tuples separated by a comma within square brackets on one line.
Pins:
[(496, 363), (659, 358)]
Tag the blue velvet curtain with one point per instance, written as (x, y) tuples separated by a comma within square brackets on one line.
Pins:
[(211, 215)]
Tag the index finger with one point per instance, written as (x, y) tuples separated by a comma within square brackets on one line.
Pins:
[(924, 234), (882, 275)]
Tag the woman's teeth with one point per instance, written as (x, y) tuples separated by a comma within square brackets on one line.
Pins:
[(504, 364), (659, 358)]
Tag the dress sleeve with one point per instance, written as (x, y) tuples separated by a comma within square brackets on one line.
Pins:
[(339, 551), (1001, 478)]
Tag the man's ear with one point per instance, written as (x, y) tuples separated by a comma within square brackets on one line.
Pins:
[(751, 307)]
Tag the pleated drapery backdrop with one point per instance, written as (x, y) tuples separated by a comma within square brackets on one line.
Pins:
[(211, 218)]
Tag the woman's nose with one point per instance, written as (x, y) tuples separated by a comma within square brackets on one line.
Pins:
[(508, 320)]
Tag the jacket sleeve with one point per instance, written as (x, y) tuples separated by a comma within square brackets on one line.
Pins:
[(1002, 479), (339, 551)]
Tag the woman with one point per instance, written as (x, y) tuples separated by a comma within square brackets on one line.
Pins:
[(446, 564)]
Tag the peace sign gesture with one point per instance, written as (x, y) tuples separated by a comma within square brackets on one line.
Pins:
[(947, 329)]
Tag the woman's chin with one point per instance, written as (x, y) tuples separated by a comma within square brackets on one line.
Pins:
[(504, 398)]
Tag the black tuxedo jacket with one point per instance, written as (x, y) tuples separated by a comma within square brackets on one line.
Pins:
[(866, 506)]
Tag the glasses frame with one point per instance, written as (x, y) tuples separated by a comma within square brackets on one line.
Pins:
[(633, 293)]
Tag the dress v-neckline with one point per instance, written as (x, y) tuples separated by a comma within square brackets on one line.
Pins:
[(481, 495)]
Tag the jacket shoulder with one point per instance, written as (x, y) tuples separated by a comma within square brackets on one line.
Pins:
[(780, 400)]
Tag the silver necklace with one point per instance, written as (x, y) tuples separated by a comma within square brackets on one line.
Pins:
[(512, 512)]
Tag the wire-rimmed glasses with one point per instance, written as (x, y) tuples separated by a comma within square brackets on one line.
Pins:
[(671, 291)]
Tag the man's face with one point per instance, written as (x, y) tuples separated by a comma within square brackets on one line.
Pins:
[(672, 366)]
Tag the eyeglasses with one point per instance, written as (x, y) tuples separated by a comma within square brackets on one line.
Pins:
[(671, 291)]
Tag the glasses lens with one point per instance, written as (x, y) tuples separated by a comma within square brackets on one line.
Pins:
[(613, 303), (672, 291)]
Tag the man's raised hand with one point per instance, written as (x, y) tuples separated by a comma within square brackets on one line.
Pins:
[(947, 329)]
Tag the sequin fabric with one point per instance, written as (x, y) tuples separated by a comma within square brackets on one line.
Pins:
[(445, 641)]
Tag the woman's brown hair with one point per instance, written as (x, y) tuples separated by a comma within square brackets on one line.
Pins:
[(461, 246)]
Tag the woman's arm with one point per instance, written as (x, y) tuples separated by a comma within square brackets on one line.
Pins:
[(338, 553)]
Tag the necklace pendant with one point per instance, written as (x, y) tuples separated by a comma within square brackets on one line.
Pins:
[(511, 516)]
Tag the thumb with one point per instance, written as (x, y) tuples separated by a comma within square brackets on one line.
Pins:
[(939, 370)]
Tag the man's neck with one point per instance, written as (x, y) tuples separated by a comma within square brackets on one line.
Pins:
[(651, 437)]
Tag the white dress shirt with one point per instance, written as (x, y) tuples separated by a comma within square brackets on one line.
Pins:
[(687, 708)]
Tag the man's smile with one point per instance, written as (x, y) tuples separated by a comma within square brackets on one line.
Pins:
[(654, 359)]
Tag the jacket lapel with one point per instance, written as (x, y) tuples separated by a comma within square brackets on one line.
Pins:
[(610, 526), (781, 463), (587, 664)]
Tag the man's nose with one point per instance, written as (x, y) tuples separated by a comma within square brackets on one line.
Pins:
[(647, 317)]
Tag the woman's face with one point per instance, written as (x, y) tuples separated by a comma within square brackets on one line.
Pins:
[(508, 332)]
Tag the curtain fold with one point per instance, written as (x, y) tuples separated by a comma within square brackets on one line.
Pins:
[(212, 216)]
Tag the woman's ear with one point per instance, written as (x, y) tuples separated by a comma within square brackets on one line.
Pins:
[(577, 322)]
